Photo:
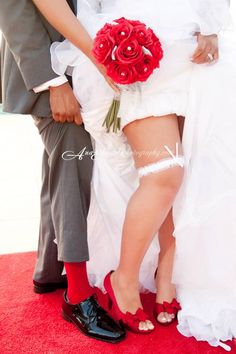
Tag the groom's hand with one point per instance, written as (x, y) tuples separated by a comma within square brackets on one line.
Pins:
[(207, 50), (64, 105)]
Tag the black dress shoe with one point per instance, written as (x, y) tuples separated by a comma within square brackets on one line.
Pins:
[(92, 320), (43, 288)]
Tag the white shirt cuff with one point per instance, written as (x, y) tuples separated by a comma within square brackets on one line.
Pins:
[(58, 81)]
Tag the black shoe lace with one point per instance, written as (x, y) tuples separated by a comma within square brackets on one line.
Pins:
[(95, 310)]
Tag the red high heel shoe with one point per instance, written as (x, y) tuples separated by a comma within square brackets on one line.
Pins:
[(171, 308), (129, 320)]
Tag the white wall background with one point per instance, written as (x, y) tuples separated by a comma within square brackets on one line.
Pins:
[(20, 166)]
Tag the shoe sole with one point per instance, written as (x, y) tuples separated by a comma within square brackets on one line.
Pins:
[(68, 319), (48, 289)]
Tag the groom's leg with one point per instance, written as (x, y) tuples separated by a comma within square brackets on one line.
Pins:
[(48, 269), (68, 188)]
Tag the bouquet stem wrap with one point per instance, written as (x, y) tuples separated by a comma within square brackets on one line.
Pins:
[(112, 121)]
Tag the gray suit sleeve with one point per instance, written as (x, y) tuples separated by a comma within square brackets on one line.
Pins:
[(28, 40)]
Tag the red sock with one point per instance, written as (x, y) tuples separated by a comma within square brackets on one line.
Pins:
[(78, 284)]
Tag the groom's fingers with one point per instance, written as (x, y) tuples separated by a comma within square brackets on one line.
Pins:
[(58, 117), (78, 119), (70, 119), (62, 118)]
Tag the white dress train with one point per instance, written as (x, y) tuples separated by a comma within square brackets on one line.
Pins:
[(205, 227), (205, 224)]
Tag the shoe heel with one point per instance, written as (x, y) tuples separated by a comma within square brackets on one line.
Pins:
[(64, 315), (109, 303)]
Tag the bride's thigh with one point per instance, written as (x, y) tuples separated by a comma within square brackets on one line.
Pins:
[(153, 139)]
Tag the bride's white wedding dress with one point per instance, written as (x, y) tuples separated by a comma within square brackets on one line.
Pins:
[(205, 227)]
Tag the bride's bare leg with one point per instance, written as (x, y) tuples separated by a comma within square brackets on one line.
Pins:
[(165, 289), (150, 204)]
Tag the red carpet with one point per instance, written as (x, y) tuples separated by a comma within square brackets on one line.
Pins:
[(31, 323)]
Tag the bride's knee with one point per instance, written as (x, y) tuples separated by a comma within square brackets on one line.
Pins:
[(173, 179), (167, 182)]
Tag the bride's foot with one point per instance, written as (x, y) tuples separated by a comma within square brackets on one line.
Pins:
[(166, 307), (126, 294)]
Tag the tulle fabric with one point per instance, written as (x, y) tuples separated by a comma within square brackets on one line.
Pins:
[(205, 266)]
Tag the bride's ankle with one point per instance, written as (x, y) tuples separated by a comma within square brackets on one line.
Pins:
[(126, 291), (163, 276), (165, 292), (122, 280)]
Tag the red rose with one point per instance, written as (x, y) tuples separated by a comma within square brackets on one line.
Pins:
[(121, 31), (102, 48), (129, 52), (121, 20), (136, 23), (131, 22), (105, 29), (156, 51), (145, 68), (143, 35), (122, 74)]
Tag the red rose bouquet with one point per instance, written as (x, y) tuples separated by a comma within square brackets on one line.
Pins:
[(130, 53)]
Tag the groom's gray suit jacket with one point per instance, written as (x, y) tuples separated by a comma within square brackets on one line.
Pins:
[(25, 57)]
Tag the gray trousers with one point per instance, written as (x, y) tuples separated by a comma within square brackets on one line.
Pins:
[(65, 198)]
